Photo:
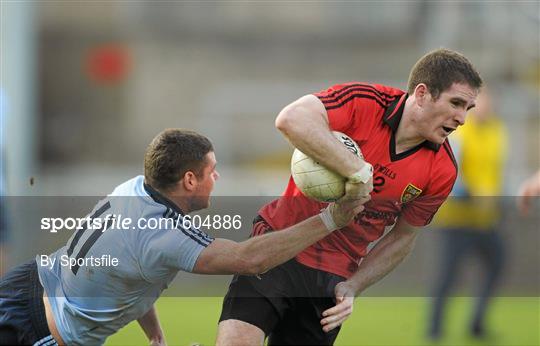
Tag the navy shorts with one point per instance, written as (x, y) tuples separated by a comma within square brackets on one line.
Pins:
[(22, 313), (286, 302)]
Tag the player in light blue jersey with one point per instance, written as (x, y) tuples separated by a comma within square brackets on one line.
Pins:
[(110, 273)]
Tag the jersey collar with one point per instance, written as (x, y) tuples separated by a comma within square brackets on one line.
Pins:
[(392, 117), (159, 198)]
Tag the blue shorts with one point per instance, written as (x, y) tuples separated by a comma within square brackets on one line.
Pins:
[(22, 313)]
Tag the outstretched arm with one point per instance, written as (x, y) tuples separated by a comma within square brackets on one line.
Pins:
[(258, 254), (382, 259), (149, 323)]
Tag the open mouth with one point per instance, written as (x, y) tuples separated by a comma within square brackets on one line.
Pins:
[(448, 129)]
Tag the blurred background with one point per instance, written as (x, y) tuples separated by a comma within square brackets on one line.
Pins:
[(84, 87)]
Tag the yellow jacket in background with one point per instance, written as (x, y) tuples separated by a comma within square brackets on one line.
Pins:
[(481, 150)]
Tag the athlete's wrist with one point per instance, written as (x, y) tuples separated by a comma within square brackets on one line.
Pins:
[(328, 220), (363, 175), (354, 287)]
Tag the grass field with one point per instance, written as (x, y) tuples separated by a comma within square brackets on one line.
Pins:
[(375, 321)]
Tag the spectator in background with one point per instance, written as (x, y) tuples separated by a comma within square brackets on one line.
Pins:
[(469, 220), (528, 190)]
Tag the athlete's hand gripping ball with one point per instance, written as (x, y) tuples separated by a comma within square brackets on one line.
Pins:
[(360, 184), (324, 185)]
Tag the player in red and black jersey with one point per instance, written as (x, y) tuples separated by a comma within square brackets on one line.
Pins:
[(403, 136)]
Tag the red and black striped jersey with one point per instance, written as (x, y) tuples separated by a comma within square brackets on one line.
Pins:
[(412, 184)]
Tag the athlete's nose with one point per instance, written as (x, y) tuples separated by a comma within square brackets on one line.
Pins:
[(460, 117)]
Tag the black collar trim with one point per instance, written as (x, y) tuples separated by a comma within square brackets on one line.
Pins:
[(159, 198), (395, 156), (392, 117)]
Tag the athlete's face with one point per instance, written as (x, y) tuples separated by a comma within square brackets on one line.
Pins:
[(440, 117), (205, 183)]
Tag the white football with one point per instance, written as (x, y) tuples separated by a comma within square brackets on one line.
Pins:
[(316, 181)]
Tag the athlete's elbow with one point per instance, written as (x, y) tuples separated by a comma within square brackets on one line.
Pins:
[(285, 120), (294, 118)]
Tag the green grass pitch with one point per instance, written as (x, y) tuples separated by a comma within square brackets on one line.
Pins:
[(375, 321)]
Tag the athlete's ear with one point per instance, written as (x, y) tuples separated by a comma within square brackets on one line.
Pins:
[(421, 92), (189, 181)]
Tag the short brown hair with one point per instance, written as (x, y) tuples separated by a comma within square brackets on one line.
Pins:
[(440, 69), (171, 154)]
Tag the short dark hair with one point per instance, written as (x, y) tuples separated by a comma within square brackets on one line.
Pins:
[(440, 69), (171, 154)]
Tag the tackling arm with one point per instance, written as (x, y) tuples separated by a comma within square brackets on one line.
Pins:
[(258, 254), (149, 323)]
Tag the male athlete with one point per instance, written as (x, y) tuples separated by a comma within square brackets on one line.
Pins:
[(83, 304), (403, 135)]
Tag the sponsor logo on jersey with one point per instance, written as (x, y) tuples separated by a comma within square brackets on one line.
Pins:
[(409, 193), (383, 170)]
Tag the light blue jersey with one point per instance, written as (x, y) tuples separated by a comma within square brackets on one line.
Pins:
[(90, 302)]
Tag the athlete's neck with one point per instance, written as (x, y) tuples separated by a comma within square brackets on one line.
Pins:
[(178, 198), (407, 136), (182, 202)]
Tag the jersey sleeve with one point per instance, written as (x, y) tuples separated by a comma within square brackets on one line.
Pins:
[(338, 105), (355, 107), (420, 211), (176, 249)]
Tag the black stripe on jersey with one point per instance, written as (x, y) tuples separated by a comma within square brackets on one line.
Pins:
[(362, 96), (394, 112), (448, 149), (194, 233), (199, 234), (173, 211), (354, 85), (44, 340), (88, 244), (357, 87), (260, 228), (80, 232), (356, 91), (200, 242), (168, 213)]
